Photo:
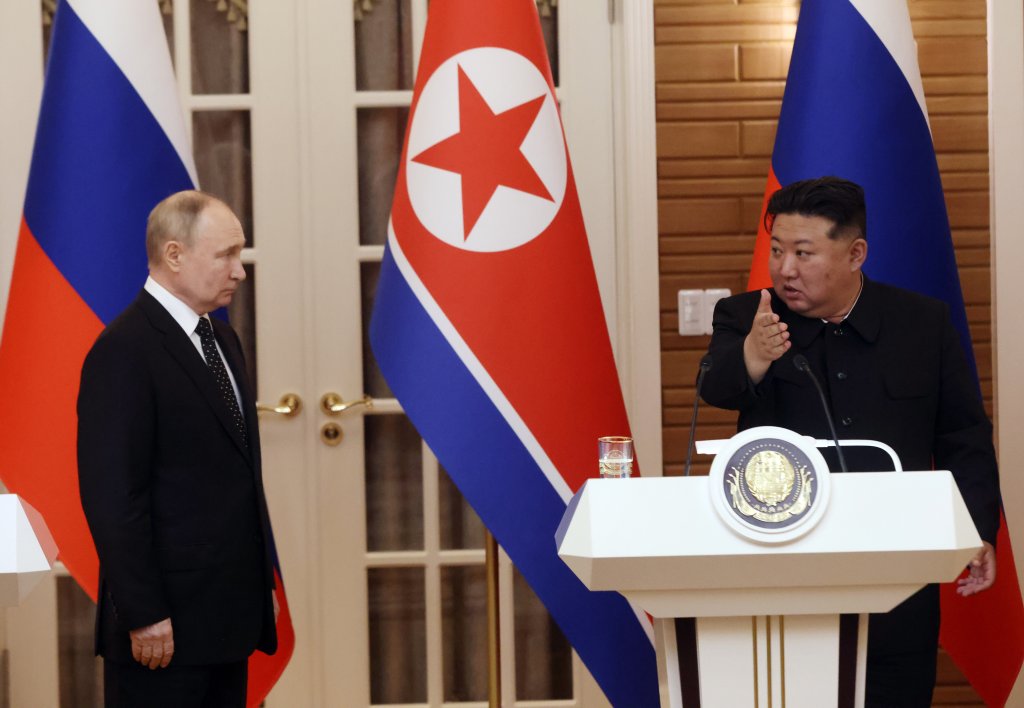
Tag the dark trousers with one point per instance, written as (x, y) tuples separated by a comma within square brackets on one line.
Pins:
[(902, 646), (130, 685)]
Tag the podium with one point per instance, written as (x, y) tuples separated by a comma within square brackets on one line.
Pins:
[(746, 618), (27, 550)]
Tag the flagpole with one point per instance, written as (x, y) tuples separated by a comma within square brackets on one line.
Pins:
[(493, 629)]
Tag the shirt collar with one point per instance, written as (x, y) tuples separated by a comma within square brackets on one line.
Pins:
[(849, 312), (184, 315), (865, 317)]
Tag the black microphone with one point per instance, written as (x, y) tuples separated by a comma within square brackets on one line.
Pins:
[(801, 363), (705, 364)]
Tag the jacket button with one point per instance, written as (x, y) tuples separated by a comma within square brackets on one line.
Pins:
[(841, 376), (847, 421), (839, 331)]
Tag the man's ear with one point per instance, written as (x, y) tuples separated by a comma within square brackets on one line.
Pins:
[(172, 255), (858, 253)]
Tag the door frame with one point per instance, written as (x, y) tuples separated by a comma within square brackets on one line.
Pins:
[(1006, 177), (639, 335)]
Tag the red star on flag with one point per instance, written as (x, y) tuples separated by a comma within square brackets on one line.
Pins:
[(486, 151)]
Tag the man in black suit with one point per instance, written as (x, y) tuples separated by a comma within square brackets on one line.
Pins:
[(170, 477), (893, 370)]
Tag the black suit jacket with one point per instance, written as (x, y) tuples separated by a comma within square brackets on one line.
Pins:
[(173, 496), (893, 371)]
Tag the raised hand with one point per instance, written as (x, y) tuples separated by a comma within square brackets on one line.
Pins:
[(768, 340)]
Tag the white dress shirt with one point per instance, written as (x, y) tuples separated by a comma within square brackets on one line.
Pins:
[(186, 317)]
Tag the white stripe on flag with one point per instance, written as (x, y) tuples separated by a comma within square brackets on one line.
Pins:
[(477, 370), (890, 20), (489, 386), (132, 33)]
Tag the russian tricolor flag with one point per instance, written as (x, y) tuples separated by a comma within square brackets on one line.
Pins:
[(854, 107), (488, 324), (110, 144)]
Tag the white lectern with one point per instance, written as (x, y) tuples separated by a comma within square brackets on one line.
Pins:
[(27, 550), (767, 602)]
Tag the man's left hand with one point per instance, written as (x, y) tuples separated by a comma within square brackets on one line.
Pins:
[(983, 572)]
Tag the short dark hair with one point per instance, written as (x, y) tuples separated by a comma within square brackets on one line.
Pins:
[(838, 200)]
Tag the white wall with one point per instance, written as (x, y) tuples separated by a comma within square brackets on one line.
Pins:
[(21, 78), (1006, 165)]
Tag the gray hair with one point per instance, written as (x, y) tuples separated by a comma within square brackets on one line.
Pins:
[(176, 218)]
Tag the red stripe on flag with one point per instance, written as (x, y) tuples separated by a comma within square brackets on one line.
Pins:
[(265, 670), (759, 277), (47, 333), (984, 633), (531, 314)]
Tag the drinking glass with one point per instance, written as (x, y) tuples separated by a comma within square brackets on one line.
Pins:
[(615, 456)]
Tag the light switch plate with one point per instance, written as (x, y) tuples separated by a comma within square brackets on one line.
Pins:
[(711, 298), (691, 312), (696, 310)]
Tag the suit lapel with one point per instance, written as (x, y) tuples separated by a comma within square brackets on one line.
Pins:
[(182, 350)]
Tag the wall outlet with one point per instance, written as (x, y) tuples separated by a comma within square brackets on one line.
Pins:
[(696, 308)]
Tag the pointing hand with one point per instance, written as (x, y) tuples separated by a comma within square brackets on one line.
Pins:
[(768, 339)]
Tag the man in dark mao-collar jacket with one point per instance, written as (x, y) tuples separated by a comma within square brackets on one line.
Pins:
[(170, 477), (893, 370)]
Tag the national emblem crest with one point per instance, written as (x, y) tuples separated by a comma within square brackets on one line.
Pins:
[(768, 482)]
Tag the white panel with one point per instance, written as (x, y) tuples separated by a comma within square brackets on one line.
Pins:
[(32, 628), (725, 655), (639, 537), (762, 670), (638, 353), (21, 46), (811, 651), (691, 312), (776, 687), (862, 659), (711, 298), (1006, 177), (669, 685)]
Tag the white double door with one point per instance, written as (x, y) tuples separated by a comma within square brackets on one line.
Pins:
[(383, 561)]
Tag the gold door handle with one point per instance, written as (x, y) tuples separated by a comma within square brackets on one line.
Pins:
[(333, 404), (289, 406)]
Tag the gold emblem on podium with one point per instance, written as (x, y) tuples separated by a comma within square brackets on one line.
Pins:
[(771, 483)]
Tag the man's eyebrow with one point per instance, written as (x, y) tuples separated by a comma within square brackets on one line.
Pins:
[(798, 242)]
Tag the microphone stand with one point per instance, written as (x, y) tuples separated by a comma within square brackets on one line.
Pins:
[(801, 363), (705, 364)]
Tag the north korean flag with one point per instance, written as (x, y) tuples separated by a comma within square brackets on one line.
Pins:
[(488, 323)]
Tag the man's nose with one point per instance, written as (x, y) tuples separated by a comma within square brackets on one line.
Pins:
[(787, 266), (238, 270)]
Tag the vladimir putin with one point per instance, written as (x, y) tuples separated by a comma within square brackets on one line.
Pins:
[(170, 477)]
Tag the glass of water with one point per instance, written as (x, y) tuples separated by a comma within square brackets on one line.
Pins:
[(615, 456)]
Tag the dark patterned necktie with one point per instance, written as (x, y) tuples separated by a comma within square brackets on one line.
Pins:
[(220, 373)]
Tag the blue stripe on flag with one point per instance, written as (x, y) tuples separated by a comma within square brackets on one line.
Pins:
[(101, 162), (849, 111), (505, 486)]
